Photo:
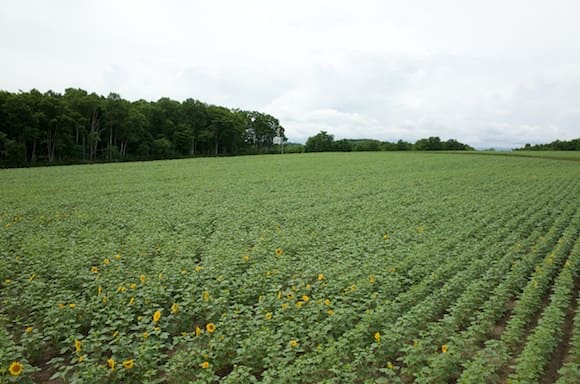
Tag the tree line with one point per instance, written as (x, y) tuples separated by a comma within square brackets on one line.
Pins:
[(558, 145), (324, 142), (77, 126)]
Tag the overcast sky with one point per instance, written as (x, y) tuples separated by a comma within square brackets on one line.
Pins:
[(493, 73)]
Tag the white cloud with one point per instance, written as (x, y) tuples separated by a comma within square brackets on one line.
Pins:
[(491, 73)]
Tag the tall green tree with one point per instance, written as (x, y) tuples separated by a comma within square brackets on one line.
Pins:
[(321, 142)]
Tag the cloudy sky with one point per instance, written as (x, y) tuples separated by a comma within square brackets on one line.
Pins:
[(494, 73)]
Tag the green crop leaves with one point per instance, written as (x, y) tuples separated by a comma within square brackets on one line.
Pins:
[(362, 267)]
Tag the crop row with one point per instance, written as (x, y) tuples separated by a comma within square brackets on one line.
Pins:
[(396, 269), (398, 335), (548, 333), (479, 308), (570, 370), (488, 361)]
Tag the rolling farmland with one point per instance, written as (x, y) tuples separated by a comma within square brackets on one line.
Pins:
[(335, 268)]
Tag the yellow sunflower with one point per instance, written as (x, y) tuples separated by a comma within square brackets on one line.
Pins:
[(15, 368)]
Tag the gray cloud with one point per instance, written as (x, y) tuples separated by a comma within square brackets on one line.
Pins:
[(489, 73)]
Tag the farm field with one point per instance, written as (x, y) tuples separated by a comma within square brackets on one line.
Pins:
[(556, 155), (334, 268)]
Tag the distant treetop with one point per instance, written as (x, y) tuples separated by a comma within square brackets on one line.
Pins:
[(324, 142), (558, 145)]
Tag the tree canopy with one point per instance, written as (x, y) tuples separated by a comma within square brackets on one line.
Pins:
[(324, 142), (78, 126), (557, 145)]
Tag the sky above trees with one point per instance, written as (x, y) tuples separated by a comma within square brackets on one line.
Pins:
[(490, 74)]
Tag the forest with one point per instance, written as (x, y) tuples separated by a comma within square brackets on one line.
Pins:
[(77, 127), (557, 145), (325, 142)]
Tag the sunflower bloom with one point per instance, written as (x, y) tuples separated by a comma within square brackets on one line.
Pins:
[(142, 279), (204, 365), (305, 298), (330, 312), (444, 348), (320, 277), (279, 251), (293, 343), (390, 365), (378, 337), (197, 331), (246, 258), (205, 296), (15, 368), (174, 308), (385, 237), (269, 316), (156, 316), (372, 279), (111, 364), (82, 358), (210, 327), (128, 364), (78, 345), (106, 261), (28, 330), (94, 269)]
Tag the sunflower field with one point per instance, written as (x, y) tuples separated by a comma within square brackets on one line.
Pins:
[(305, 268)]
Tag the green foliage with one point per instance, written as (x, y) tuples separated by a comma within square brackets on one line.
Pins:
[(324, 142), (76, 126), (336, 268), (557, 145), (321, 142)]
